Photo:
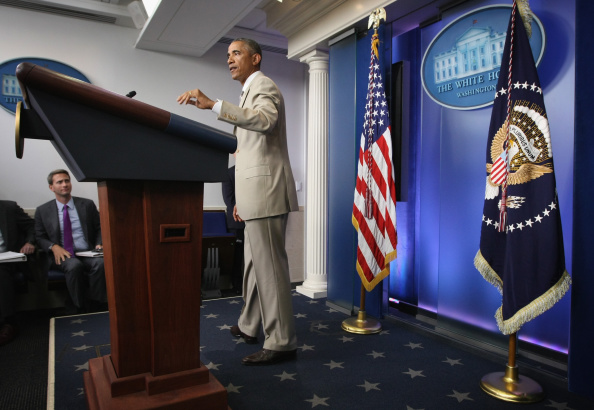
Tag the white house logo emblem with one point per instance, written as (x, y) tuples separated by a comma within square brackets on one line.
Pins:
[(460, 68), (11, 92)]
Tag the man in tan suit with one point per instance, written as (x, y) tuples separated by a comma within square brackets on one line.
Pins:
[(265, 193)]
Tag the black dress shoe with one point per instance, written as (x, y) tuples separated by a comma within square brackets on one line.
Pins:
[(250, 340), (266, 357)]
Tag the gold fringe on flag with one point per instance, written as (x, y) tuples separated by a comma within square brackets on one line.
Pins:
[(488, 273), (390, 256), (535, 308), (380, 276)]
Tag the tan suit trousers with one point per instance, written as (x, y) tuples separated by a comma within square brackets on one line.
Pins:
[(267, 284)]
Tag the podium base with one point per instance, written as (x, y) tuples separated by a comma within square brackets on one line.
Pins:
[(190, 389)]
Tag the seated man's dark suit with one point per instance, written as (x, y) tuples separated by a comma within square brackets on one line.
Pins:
[(236, 227), (17, 229), (82, 274)]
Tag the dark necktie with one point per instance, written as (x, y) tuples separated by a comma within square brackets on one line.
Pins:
[(68, 241)]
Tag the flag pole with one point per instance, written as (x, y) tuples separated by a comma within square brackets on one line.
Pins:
[(509, 385), (362, 324)]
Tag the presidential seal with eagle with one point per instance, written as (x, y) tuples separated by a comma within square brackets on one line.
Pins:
[(529, 150)]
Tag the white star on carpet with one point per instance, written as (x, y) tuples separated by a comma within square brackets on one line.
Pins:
[(460, 396), (79, 321), (81, 391), (410, 408), (334, 365), (452, 362), (81, 348), (369, 386), (81, 333), (321, 326), (558, 405), (318, 401), (376, 354), (286, 376), (414, 345), (414, 373), (233, 389), (212, 366), (307, 347), (330, 310), (346, 339), (202, 347), (300, 315), (313, 302), (211, 316), (82, 366), (234, 302), (224, 327)]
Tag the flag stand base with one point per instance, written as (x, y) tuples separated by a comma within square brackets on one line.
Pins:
[(509, 386), (361, 324)]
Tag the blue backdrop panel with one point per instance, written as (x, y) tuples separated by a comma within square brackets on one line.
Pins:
[(342, 277), (403, 283), (581, 359)]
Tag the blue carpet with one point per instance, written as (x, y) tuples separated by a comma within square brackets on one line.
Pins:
[(400, 368)]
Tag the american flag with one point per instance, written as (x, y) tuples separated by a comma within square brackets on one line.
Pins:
[(374, 208), (521, 249)]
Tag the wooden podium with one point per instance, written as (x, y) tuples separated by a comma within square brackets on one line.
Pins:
[(150, 166)]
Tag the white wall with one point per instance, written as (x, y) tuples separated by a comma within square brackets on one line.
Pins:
[(106, 55)]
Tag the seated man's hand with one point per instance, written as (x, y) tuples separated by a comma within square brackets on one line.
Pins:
[(28, 249), (236, 217), (99, 247), (60, 254)]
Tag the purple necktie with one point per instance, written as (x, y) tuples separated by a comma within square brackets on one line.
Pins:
[(68, 241)]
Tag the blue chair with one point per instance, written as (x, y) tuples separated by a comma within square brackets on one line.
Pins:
[(56, 280), (217, 252)]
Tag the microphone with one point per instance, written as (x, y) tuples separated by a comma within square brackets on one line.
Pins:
[(131, 94)]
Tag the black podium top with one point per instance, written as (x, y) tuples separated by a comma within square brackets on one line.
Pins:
[(103, 135)]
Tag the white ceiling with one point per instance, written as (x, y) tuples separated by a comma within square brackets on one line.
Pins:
[(192, 27), (188, 27)]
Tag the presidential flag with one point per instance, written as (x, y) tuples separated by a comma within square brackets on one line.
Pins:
[(521, 246), (374, 208)]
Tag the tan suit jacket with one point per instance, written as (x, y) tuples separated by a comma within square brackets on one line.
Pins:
[(264, 181)]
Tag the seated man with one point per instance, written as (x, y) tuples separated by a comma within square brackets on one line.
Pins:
[(17, 234), (67, 225)]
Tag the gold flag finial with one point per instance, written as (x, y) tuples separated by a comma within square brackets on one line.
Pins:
[(376, 17), (374, 20)]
